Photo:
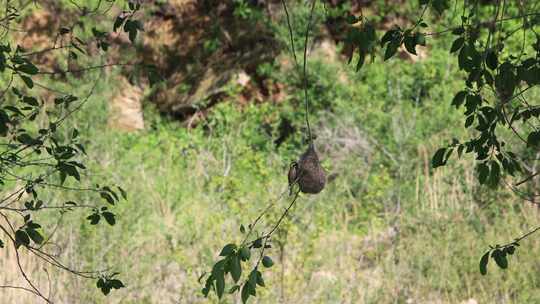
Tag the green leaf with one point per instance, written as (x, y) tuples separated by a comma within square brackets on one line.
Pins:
[(533, 140), (228, 250), (220, 284), (389, 36), (122, 192), (457, 45), (28, 81), (94, 218), (106, 289), (138, 25), (361, 60), (100, 283), (68, 169), (267, 262), (260, 280), (109, 217), (236, 268), (245, 293), (500, 258), (252, 279), (34, 235), (491, 59), (440, 5), (28, 69), (245, 253), (438, 158), (495, 174), (116, 284), (21, 238), (106, 196), (132, 35), (488, 77), (30, 100), (410, 44), (391, 50), (219, 268), (483, 263), (510, 250), (483, 173), (459, 98), (469, 121)]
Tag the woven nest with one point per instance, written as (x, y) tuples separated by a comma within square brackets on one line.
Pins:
[(308, 173)]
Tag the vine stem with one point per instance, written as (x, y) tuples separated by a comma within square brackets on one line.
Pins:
[(304, 67), (528, 178), (251, 227), (521, 238), (269, 234), (291, 36), (306, 99)]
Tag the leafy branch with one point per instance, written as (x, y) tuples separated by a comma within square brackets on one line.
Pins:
[(34, 156)]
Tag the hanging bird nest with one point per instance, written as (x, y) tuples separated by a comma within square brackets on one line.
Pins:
[(308, 172)]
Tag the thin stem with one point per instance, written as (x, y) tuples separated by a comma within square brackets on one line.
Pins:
[(306, 100), (20, 288), (527, 179), (87, 68), (269, 234), (291, 36), (526, 235), (252, 225)]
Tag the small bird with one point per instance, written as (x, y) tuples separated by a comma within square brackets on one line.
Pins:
[(293, 175), (307, 172)]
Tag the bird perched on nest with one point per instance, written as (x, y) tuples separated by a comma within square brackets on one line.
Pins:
[(307, 172)]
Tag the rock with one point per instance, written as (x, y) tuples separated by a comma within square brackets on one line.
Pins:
[(421, 54), (126, 108), (242, 79)]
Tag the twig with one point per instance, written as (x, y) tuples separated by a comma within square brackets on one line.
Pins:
[(519, 239), (252, 225), (269, 234), (526, 179), (86, 68)]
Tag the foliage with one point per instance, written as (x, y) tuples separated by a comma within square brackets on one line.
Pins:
[(497, 77), (38, 153)]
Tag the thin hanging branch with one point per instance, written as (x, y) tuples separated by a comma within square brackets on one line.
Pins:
[(306, 100), (304, 67), (291, 36)]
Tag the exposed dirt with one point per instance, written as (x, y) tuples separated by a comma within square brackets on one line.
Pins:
[(202, 49)]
